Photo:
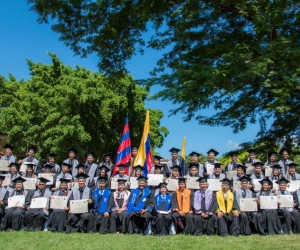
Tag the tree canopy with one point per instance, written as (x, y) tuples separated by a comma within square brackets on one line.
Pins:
[(60, 107), (240, 58)]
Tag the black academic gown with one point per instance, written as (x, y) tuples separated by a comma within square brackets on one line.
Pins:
[(3, 197), (14, 216), (204, 225), (36, 217), (58, 217), (81, 222), (137, 223), (296, 226)]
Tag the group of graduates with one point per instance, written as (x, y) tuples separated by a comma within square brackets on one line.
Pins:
[(147, 209)]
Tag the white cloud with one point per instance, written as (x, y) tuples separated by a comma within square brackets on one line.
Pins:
[(232, 145)]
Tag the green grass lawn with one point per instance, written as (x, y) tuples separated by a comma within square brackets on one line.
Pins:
[(59, 241)]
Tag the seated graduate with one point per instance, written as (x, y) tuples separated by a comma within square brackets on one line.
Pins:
[(163, 210), (121, 173), (36, 217), (247, 219), (240, 171), (268, 217), (217, 174), (289, 216), (55, 168), (3, 197), (14, 216), (276, 172), (119, 207), (140, 206), (182, 209), (204, 206), (81, 222), (65, 171), (103, 204), (292, 175), (296, 197), (88, 182), (103, 170), (58, 217), (14, 173), (47, 170), (227, 211)]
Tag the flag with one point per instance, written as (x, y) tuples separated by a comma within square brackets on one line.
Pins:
[(144, 155), (124, 150), (182, 159)]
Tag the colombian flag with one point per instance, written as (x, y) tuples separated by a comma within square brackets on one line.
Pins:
[(144, 155)]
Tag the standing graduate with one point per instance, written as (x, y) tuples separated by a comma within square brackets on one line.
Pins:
[(163, 210), (72, 161), (204, 206), (182, 209), (217, 174), (174, 161), (234, 162), (81, 222), (90, 166), (247, 219), (103, 204), (285, 154), (268, 217), (140, 205), (31, 151), (211, 160), (8, 155), (289, 215), (251, 157), (58, 217), (119, 207), (55, 168), (258, 173), (14, 216), (296, 197), (164, 168), (3, 197), (227, 211), (106, 161), (36, 217)]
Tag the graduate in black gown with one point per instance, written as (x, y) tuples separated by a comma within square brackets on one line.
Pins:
[(296, 197), (103, 204), (204, 206), (227, 211), (81, 222), (58, 217), (3, 197), (289, 216), (14, 216), (268, 217), (247, 219), (36, 217), (140, 206), (163, 210), (119, 207)]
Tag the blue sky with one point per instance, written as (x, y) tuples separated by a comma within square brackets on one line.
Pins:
[(22, 37)]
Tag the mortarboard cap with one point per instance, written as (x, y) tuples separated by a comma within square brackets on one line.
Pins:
[(13, 164), (82, 176), (121, 166), (194, 154), (201, 180), (47, 166), (103, 167), (282, 181), (266, 180), (157, 167), (212, 151), (194, 165), (51, 155), (181, 180), (251, 151), (80, 166), (241, 167), (142, 178), (18, 180), (271, 153), (174, 150), (64, 180), (102, 179), (89, 154), (157, 157), (138, 167), (8, 146), (217, 165), (226, 181), (276, 166), (284, 150), (162, 185), (106, 154), (257, 164), (73, 150), (292, 165), (121, 181), (233, 153), (33, 148), (67, 164), (176, 168), (43, 180), (134, 147), (245, 178), (2, 178)]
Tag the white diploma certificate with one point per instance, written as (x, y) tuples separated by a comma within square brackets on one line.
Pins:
[(48, 177), (40, 202), (172, 184), (133, 183), (210, 168), (236, 185), (114, 183), (230, 174), (268, 171), (163, 212), (214, 184), (16, 201), (154, 179), (285, 200), (192, 183), (29, 183), (257, 185), (24, 166), (58, 202), (268, 202), (6, 181), (248, 205), (78, 206), (293, 186), (4, 165), (250, 169)]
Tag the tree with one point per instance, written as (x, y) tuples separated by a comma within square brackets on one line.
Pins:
[(240, 58), (61, 107)]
